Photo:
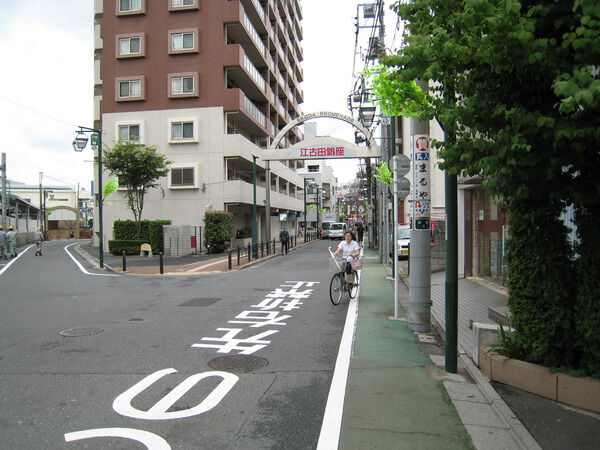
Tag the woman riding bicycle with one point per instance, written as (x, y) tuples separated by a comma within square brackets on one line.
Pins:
[(349, 249)]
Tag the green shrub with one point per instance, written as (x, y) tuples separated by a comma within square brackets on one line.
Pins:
[(541, 285), (218, 230), (587, 304), (151, 232), (129, 246), (243, 233)]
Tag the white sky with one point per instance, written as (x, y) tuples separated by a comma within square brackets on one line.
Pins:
[(46, 84)]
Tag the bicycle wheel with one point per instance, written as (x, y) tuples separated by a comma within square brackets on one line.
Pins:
[(352, 291), (335, 288)]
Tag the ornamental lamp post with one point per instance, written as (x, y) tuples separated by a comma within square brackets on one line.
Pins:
[(79, 144)]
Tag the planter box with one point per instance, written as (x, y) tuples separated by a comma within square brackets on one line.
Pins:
[(576, 391), (523, 375), (580, 392), (241, 242)]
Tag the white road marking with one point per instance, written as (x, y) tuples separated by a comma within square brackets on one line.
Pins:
[(150, 440), (14, 259), (83, 268), (332, 419)]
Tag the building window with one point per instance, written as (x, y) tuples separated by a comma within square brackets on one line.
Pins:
[(176, 5), (131, 88), (183, 41), (129, 132), (183, 176), (182, 131), (130, 46), (130, 7), (183, 85), (313, 168)]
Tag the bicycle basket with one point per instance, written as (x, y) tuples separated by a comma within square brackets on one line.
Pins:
[(357, 263)]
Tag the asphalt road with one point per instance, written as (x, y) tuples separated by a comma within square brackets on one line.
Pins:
[(238, 360)]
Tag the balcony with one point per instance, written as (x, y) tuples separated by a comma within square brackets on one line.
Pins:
[(243, 116), (256, 12), (239, 29), (244, 73)]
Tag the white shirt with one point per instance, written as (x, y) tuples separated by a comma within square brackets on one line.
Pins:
[(348, 249)]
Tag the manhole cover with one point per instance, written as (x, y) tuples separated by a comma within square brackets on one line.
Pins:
[(200, 302), (238, 363), (81, 331)]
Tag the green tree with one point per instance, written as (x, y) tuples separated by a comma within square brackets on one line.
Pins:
[(218, 230), (514, 87), (138, 168)]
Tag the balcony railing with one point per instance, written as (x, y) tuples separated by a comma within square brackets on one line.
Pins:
[(259, 9), (255, 112), (254, 73), (254, 34)]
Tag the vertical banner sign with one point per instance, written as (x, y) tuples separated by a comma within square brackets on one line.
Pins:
[(421, 204)]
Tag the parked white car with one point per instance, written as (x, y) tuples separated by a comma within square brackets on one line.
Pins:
[(403, 240)]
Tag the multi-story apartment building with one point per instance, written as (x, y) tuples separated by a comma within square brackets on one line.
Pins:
[(321, 176), (208, 83)]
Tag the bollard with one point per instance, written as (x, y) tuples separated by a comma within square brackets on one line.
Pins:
[(229, 258), (274, 248), (160, 258), (262, 249), (239, 252), (249, 252), (124, 262), (268, 248)]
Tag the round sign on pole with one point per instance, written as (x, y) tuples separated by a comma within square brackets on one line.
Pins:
[(402, 165)]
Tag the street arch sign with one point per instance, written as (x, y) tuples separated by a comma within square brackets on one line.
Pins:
[(325, 147)]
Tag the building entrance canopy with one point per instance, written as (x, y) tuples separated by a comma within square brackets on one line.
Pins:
[(322, 147)]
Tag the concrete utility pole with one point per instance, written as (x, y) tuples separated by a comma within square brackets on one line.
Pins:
[(4, 190), (419, 316), (268, 198), (40, 218)]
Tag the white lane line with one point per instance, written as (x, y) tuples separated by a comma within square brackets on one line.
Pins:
[(14, 259), (332, 419), (83, 268)]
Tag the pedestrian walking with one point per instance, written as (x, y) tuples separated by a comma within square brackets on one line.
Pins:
[(284, 238), (11, 237), (3, 242), (360, 231), (38, 237)]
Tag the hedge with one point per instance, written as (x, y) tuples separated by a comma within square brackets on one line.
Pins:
[(151, 232), (218, 231), (129, 246)]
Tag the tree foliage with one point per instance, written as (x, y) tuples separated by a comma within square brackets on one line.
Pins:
[(218, 230), (138, 169), (515, 87)]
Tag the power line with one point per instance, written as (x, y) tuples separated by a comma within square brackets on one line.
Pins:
[(37, 112)]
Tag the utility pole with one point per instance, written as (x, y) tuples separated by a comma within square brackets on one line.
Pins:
[(40, 218), (268, 199), (254, 225), (4, 190), (419, 317)]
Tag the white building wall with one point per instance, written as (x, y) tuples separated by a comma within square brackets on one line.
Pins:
[(206, 153)]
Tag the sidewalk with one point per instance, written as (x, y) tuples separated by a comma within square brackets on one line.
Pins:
[(398, 395), (181, 265)]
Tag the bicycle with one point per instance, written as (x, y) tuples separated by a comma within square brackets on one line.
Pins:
[(338, 284)]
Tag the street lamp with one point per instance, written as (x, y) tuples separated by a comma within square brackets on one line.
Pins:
[(254, 224), (366, 114), (79, 144)]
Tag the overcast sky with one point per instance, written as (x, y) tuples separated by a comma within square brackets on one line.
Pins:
[(46, 84)]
